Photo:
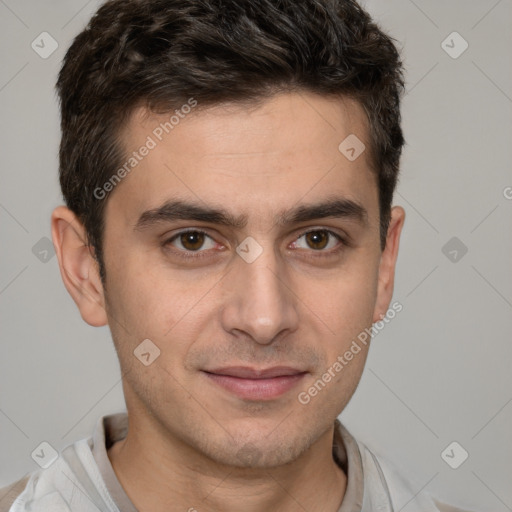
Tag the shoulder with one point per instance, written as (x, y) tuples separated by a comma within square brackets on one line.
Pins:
[(48, 488), (399, 488), (54, 487), (9, 493)]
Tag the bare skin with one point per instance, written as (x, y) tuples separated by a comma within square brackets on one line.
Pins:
[(195, 442)]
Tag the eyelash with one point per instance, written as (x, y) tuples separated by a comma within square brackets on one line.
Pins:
[(202, 254)]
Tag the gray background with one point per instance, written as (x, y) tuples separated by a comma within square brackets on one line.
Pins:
[(439, 372)]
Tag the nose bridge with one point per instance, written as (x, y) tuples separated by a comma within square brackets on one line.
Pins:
[(259, 303)]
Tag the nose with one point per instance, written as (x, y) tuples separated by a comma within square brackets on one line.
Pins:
[(260, 302)]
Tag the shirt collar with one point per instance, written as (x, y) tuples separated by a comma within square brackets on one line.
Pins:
[(110, 429)]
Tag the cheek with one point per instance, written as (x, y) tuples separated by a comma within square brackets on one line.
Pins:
[(344, 303), (148, 300), (345, 311)]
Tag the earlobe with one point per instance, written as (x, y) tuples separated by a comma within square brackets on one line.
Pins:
[(388, 263), (78, 267)]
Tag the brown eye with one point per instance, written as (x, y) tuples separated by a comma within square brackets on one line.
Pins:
[(317, 239), (192, 240), (322, 241)]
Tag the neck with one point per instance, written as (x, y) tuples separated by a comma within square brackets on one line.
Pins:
[(154, 477)]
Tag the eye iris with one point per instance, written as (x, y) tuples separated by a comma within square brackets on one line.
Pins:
[(317, 238), (193, 240)]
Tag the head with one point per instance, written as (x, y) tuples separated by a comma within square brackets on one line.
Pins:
[(227, 120)]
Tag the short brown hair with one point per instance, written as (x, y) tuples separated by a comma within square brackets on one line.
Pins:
[(159, 53)]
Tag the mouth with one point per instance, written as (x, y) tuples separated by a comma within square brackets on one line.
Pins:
[(256, 384)]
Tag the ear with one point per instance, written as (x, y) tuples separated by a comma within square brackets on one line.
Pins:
[(78, 267), (388, 262)]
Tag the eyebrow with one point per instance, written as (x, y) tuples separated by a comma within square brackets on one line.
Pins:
[(173, 210)]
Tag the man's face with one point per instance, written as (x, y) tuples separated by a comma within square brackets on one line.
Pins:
[(287, 301)]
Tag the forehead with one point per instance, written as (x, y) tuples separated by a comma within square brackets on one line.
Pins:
[(257, 158)]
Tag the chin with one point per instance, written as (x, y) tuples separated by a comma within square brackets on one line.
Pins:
[(252, 456), (261, 450)]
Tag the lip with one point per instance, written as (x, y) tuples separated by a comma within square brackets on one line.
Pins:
[(256, 384)]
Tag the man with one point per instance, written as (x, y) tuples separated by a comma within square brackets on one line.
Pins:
[(228, 169)]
